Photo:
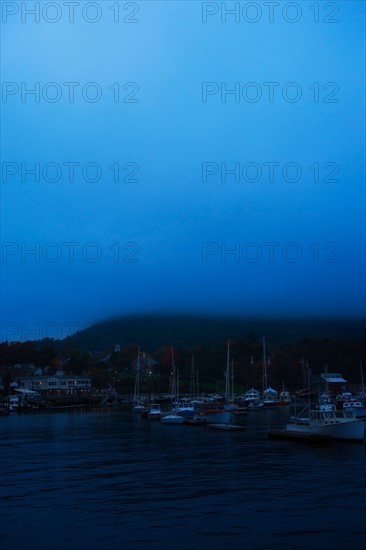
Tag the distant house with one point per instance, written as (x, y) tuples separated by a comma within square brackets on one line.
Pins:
[(67, 384)]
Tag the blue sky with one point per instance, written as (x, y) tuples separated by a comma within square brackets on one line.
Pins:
[(169, 213)]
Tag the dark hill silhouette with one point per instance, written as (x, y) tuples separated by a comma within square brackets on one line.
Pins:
[(153, 331)]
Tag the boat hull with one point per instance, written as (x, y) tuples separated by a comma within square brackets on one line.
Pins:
[(172, 419), (353, 431)]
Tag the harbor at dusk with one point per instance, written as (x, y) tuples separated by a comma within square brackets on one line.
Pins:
[(183, 275)]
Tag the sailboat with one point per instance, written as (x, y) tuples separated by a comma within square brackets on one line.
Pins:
[(306, 390), (138, 405), (284, 398), (362, 393), (154, 412), (173, 416), (229, 385), (269, 394), (252, 396), (220, 420)]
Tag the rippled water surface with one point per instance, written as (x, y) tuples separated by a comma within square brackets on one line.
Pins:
[(108, 478)]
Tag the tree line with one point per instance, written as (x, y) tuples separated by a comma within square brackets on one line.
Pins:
[(286, 365)]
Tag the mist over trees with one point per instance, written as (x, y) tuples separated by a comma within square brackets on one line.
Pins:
[(116, 367)]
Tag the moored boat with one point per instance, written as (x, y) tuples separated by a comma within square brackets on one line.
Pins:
[(154, 413), (172, 418), (250, 397), (138, 404), (216, 414), (284, 397), (269, 398), (328, 421), (185, 408)]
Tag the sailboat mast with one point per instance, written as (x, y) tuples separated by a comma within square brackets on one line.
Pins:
[(227, 377), (264, 366), (138, 372), (362, 383), (149, 375), (174, 376), (326, 380), (192, 384), (136, 394)]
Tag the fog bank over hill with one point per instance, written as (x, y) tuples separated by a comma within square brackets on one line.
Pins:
[(152, 331)]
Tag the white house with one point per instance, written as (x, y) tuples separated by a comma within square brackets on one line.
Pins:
[(66, 384)]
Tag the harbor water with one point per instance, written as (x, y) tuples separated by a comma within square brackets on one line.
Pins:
[(104, 478)]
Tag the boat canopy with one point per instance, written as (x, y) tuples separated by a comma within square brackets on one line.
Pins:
[(270, 391), (252, 391), (332, 377)]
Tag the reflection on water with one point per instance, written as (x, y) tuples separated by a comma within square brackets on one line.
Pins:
[(90, 479)]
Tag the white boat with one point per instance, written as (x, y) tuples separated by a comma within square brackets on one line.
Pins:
[(185, 408), (328, 421), (269, 397), (172, 418), (154, 412), (348, 402), (139, 407), (284, 397), (344, 396), (251, 396), (218, 414)]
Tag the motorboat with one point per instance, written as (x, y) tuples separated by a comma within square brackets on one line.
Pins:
[(216, 414), (328, 421), (172, 418), (284, 398), (251, 396), (154, 413)]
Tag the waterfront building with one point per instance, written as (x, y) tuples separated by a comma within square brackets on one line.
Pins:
[(63, 384)]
